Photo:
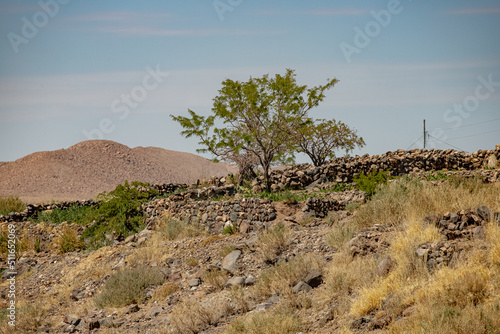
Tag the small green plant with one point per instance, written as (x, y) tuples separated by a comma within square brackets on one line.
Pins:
[(229, 229), (11, 204), (128, 286), (36, 245), (369, 183), (437, 176)]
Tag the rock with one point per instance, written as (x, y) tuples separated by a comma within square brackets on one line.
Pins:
[(484, 213), (105, 322), (244, 227), (78, 293), (421, 252), (235, 281), (492, 162), (94, 324), (141, 241), (273, 299), (262, 307), (384, 266), (479, 232), (194, 282), (130, 238), (301, 286), (229, 262), (314, 278), (409, 311), (132, 309), (70, 329), (153, 313), (250, 280)]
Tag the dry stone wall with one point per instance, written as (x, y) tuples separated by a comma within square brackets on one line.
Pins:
[(244, 214), (398, 162)]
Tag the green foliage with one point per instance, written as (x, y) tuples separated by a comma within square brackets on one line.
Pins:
[(73, 214), (229, 229), (128, 286), (11, 204), (257, 117), (370, 182), (437, 176), (120, 213), (319, 139)]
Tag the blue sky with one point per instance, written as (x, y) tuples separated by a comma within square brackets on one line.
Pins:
[(67, 67)]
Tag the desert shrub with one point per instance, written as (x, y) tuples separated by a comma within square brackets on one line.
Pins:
[(73, 214), (273, 322), (29, 318), (164, 291), (193, 316), (127, 286), (11, 204), (369, 183), (339, 235), (120, 212), (172, 228), (68, 241), (279, 279), (215, 277), (271, 243)]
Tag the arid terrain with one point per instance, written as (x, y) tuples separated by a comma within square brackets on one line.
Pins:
[(88, 168), (405, 242)]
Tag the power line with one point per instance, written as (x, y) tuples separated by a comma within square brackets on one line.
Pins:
[(413, 143), (458, 148), (477, 134), (464, 126)]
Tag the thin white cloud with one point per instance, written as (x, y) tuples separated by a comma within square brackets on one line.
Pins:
[(318, 12), (475, 11), (156, 31), (119, 16)]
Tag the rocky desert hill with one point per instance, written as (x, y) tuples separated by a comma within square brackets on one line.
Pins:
[(88, 168)]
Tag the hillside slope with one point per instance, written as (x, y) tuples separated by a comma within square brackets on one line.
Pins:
[(84, 170)]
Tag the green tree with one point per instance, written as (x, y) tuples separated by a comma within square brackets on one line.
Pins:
[(320, 139), (255, 120)]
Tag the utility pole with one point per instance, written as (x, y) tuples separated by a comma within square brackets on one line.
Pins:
[(425, 134)]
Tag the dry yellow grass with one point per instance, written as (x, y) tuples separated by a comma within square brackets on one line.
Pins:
[(411, 199), (270, 322)]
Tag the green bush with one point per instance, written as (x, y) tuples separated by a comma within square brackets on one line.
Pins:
[(11, 204), (120, 213), (73, 214), (369, 183), (128, 286)]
